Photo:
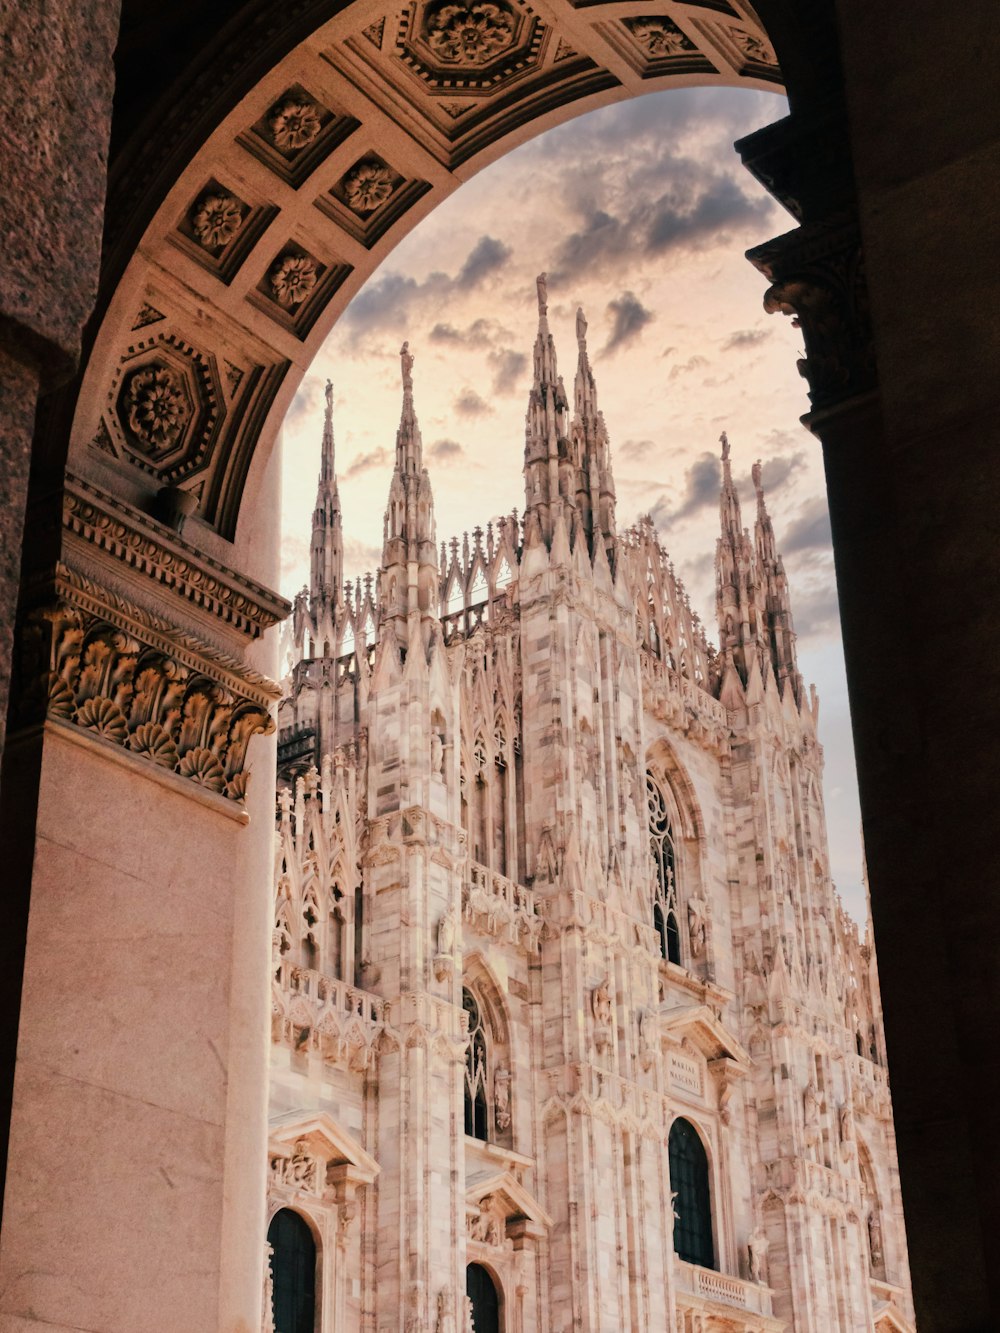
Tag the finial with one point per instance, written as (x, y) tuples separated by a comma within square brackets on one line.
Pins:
[(724, 441), (581, 326), (542, 283), (329, 395), (406, 361), (755, 474)]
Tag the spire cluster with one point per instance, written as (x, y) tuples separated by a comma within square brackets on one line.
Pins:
[(752, 598), (567, 462)]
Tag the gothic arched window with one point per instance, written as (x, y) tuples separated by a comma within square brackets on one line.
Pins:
[(485, 1302), (661, 846), (476, 1069), (691, 1195), (293, 1273)]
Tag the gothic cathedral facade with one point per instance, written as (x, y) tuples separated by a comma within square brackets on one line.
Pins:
[(570, 1031)]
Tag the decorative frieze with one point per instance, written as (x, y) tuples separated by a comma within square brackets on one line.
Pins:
[(94, 660)]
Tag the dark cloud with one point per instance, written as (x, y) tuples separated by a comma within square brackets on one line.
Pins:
[(636, 449), (480, 333), (306, 405), (628, 318), (685, 368), (701, 485), (810, 531), (698, 211), (470, 404), (508, 369), (365, 462), (816, 611), (743, 339), (446, 451), (774, 473), (390, 303), (701, 491), (487, 256)]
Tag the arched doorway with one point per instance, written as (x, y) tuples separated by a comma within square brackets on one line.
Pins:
[(293, 1273), (691, 1192), (484, 1299)]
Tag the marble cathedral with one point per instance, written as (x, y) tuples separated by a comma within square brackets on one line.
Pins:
[(570, 1031)]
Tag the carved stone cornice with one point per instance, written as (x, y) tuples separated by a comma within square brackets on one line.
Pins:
[(817, 276), (91, 658), (156, 552)]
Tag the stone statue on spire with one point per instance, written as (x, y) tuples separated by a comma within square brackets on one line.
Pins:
[(581, 326), (755, 474), (329, 396), (542, 283), (406, 361), (724, 441)]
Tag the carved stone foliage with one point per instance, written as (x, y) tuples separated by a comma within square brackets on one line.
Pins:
[(296, 286), (747, 49), (654, 45), (369, 197), (817, 277), (95, 662), (659, 37), (296, 133)]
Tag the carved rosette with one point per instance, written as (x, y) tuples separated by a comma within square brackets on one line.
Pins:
[(156, 405), (94, 661), (368, 186), (293, 123), (216, 219), (293, 278), (469, 34)]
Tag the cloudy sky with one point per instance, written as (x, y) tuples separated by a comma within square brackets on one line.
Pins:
[(640, 213)]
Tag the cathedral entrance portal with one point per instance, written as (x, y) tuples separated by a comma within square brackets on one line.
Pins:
[(483, 1299)]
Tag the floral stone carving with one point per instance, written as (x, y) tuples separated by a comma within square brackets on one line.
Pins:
[(659, 37), (471, 34), (293, 279), (122, 682), (294, 124), (157, 408), (216, 219), (754, 46), (370, 184)]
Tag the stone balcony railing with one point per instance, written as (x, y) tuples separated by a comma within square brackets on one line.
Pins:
[(314, 1012), (497, 905), (720, 1287)]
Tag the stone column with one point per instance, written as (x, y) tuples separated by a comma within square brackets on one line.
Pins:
[(910, 456), (55, 121), (135, 1188)]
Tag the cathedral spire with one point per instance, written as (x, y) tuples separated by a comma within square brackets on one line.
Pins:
[(736, 602), (409, 572), (327, 548), (592, 451), (545, 443), (776, 602)]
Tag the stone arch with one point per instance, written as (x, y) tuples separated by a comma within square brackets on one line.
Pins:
[(262, 213)]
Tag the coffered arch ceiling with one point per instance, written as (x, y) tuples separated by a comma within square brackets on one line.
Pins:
[(238, 232)]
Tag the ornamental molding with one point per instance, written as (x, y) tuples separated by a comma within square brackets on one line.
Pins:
[(152, 550), (91, 659), (817, 277)]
